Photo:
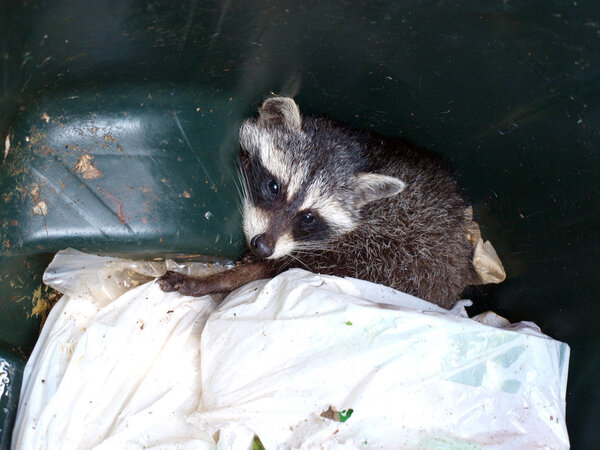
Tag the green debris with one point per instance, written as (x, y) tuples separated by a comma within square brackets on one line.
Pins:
[(256, 444), (345, 414)]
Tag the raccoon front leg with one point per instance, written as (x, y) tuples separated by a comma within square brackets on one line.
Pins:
[(225, 281)]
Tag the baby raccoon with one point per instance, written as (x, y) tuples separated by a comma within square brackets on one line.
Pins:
[(333, 200)]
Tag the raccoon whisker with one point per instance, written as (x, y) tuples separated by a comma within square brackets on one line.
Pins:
[(317, 252), (237, 184), (242, 183), (301, 262), (239, 191), (303, 245), (240, 208), (308, 248), (311, 254), (314, 249)]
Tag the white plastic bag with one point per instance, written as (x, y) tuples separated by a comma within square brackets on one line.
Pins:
[(109, 370), (279, 353), (156, 370)]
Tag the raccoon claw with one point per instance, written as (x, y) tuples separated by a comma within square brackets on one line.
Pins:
[(171, 281)]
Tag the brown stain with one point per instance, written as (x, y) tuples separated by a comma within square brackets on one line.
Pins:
[(43, 150), (39, 206), (86, 168), (38, 304), (118, 204), (42, 301), (35, 136), (111, 138), (35, 192)]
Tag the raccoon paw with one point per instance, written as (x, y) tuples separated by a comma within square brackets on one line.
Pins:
[(171, 281)]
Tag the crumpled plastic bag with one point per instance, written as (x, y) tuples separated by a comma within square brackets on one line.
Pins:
[(150, 369), (112, 370)]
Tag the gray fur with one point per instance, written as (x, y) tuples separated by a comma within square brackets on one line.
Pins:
[(280, 111), (388, 211)]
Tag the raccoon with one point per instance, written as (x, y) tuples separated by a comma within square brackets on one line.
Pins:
[(321, 196)]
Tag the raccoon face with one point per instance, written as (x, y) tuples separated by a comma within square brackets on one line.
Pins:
[(301, 187)]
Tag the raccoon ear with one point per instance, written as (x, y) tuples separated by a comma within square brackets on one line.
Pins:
[(281, 111), (372, 186)]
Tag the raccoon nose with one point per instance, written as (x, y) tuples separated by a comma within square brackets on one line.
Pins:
[(261, 246)]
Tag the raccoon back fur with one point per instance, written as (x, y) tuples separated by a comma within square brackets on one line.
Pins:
[(320, 196)]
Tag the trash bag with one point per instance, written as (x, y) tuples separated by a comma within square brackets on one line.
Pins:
[(298, 361)]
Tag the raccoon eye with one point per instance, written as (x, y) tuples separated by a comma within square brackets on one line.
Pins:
[(307, 219), (273, 187)]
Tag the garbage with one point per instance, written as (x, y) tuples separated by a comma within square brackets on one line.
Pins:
[(300, 361)]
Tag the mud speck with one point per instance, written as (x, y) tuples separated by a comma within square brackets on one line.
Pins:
[(186, 194), (108, 137), (86, 168)]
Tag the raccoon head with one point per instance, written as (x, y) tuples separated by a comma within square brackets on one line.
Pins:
[(303, 181)]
